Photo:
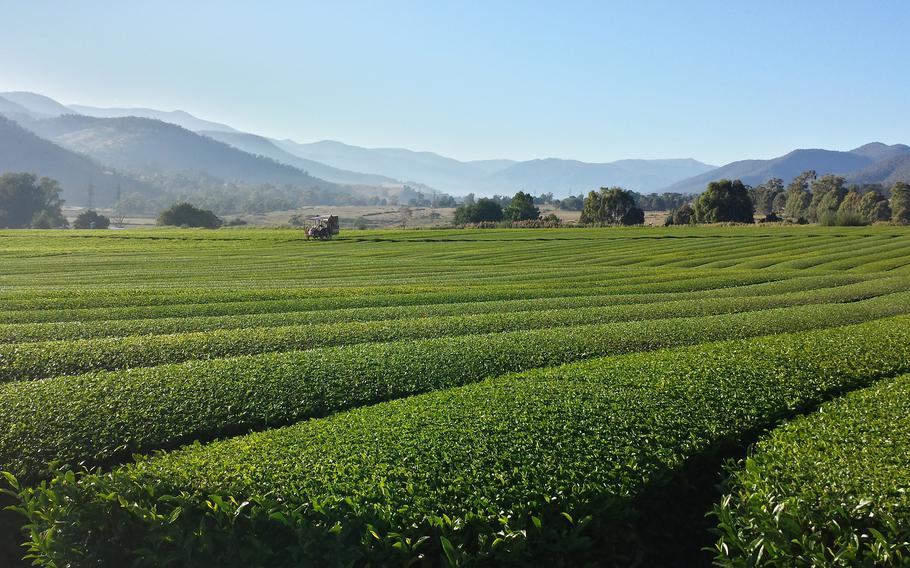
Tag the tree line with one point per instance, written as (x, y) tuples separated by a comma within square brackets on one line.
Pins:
[(825, 200)]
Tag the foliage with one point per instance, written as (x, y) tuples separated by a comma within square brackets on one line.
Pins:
[(551, 465), (827, 193), (572, 203), (798, 196), (661, 201), (74, 320), (26, 201), (614, 206), (90, 219), (900, 203), (874, 207), (481, 210), (388, 315), (521, 208), (186, 215), (685, 215), (724, 201), (765, 196), (830, 489), (206, 399)]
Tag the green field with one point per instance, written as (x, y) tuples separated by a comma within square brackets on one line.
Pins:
[(455, 397)]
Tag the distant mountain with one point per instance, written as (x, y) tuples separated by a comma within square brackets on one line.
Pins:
[(754, 172), (23, 151), (11, 110), (877, 151), (885, 172), (261, 146), (428, 168), (562, 177), (38, 105), (490, 167), (571, 176), (148, 146), (178, 117)]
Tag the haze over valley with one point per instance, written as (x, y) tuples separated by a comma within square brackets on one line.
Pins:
[(150, 153)]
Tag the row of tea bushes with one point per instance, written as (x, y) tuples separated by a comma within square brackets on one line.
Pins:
[(28, 361), (553, 465), (828, 489), (104, 416)]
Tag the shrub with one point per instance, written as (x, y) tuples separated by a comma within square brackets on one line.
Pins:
[(684, 215), (90, 219), (24, 361), (187, 215), (100, 417), (287, 312), (483, 210), (829, 489), (560, 465)]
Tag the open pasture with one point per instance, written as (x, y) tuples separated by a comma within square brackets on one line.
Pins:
[(442, 397)]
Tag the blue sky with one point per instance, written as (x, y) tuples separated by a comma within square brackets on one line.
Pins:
[(596, 81)]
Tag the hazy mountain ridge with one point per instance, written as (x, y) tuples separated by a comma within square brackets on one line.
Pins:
[(178, 117), (562, 177), (259, 145), (23, 151), (176, 141), (572, 176), (872, 159), (37, 105), (885, 172), (152, 146)]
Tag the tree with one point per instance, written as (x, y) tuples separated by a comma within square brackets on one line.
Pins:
[(900, 203), (850, 213), (614, 206), (725, 201), (684, 215), (874, 207), (187, 215), (26, 201), (571, 203), (90, 219), (521, 208), (763, 195), (827, 193), (480, 211), (798, 196), (780, 203)]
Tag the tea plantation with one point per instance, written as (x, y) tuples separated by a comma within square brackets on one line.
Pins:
[(571, 397)]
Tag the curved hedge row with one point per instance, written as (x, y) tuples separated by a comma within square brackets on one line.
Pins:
[(38, 360), (70, 330), (550, 466), (105, 416), (828, 489), (631, 285)]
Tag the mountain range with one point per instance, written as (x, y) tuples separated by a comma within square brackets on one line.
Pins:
[(133, 147), (871, 163), (23, 151)]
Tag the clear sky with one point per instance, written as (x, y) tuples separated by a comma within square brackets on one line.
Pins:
[(596, 81)]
